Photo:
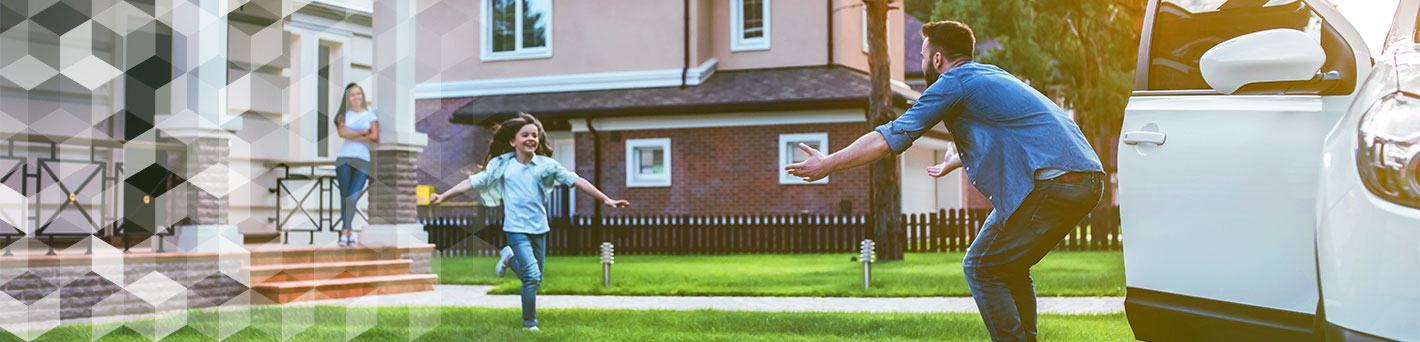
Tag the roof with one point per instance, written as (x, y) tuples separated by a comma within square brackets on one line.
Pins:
[(813, 87), (913, 47)]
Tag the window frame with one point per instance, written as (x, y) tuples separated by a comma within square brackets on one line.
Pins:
[(633, 177), (786, 155), (738, 42), (486, 52)]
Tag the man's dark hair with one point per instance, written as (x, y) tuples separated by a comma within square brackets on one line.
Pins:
[(953, 40)]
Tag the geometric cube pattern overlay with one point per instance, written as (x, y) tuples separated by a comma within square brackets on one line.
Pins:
[(98, 157)]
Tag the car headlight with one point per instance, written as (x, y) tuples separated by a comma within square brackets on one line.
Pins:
[(1386, 154)]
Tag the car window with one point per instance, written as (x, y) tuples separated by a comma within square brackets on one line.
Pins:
[(1185, 29), (1371, 18)]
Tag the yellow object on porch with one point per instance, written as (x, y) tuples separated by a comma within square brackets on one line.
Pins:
[(422, 192)]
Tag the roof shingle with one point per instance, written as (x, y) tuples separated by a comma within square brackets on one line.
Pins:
[(725, 91)]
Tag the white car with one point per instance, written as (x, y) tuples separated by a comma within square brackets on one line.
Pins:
[(1269, 182)]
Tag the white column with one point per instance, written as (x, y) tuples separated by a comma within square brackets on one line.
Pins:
[(199, 119), (392, 208)]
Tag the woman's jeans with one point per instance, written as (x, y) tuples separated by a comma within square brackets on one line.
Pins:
[(529, 255), (350, 177), (997, 265)]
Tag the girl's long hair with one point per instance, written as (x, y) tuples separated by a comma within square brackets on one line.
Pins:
[(504, 133), (345, 103)]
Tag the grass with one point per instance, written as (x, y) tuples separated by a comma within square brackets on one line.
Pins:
[(815, 275), (331, 323)]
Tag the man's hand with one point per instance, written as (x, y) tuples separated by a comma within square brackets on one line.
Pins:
[(436, 198), (812, 169), (952, 162), (940, 170), (616, 203)]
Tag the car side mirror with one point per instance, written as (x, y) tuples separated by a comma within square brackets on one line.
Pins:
[(1277, 55)]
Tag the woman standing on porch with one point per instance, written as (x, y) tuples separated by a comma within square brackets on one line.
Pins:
[(357, 124), (520, 171)]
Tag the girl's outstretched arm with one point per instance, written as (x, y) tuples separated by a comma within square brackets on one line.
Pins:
[(587, 187), (459, 188)]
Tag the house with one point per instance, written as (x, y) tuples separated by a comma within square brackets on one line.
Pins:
[(140, 141), (682, 107)]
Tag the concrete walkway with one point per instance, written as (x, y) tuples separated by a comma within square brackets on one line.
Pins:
[(477, 296)]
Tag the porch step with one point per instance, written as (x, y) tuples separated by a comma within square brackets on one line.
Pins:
[(328, 270), (317, 255), (262, 237), (306, 290), (285, 274)]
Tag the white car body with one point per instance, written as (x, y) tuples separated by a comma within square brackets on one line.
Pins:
[(1243, 210)]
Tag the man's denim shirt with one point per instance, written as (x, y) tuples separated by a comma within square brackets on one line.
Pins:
[(1004, 131)]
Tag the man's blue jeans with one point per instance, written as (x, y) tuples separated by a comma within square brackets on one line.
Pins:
[(997, 265), (529, 255)]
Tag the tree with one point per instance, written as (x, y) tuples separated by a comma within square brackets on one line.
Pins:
[(886, 187), (1081, 51)]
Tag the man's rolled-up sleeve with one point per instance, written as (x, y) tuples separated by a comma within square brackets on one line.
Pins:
[(934, 105)]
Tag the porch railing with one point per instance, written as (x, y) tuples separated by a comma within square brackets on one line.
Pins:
[(308, 201), (72, 188)]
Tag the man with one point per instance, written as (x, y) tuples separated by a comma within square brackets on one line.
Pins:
[(1018, 148)]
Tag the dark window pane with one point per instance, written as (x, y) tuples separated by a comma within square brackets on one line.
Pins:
[(753, 15), (535, 23), (504, 25)]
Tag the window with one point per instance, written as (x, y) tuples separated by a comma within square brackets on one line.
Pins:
[(790, 153), (517, 29), (749, 25), (1185, 29), (323, 111), (648, 162)]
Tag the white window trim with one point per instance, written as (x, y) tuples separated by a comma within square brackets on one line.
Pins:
[(865, 29), (631, 169), (786, 152), (519, 52), (737, 28)]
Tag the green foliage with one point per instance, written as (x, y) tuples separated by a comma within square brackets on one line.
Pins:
[(1080, 50)]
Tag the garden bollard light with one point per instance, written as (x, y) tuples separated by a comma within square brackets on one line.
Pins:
[(607, 260), (867, 257)]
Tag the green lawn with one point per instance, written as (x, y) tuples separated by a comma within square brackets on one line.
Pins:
[(479, 324), (816, 275)]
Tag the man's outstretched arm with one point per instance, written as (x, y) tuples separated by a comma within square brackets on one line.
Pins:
[(865, 150)]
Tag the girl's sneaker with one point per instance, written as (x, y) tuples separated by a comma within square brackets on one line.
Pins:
[(503, 257), (532, 328)]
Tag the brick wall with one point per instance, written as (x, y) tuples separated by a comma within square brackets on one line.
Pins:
[(729, 170)]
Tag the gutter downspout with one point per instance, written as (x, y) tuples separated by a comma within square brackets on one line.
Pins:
[(686, 43), (830, 32), (596, 165)]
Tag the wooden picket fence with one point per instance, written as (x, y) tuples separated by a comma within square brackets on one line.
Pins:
[(942, 231)]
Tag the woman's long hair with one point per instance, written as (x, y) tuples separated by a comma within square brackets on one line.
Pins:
[(504, 133), (345, 103)]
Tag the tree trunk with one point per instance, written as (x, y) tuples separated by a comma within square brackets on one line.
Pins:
[(886, 199)]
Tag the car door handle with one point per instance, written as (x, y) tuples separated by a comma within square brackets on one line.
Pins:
[(1136, 137)]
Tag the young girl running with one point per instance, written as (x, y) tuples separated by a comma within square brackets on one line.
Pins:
[(520, 171)]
